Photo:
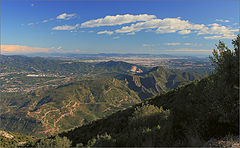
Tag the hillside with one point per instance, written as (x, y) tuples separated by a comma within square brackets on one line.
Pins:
[(61, 67), (10, 139), (37, 64), (187, 116), (52, 109), (156, 80)]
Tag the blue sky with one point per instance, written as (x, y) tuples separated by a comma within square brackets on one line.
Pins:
[(155, 27)]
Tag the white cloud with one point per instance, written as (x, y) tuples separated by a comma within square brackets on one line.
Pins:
[(173, 44), (30, 24), (184, 31), (117, 20), (66, 16), (167, 25), (65, 27), (105, 32), (172, 25), (219, 31), (44, 21), (221, 20)]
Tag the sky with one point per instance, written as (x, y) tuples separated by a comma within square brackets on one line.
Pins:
[(142, 27)]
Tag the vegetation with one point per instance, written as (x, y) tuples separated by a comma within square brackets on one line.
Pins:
[(53, 109), (189, 115), (10, 139)]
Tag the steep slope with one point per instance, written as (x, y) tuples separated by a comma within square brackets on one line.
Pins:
[(66, 106), (155, 81), (49, 110), (187, 116), (118, 66)]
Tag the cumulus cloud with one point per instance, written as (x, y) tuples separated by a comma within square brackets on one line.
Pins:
[(19, 49), (65, 27), (66, 16), (221, 32), (173, 44), (117, 20), (172, 25), (167, 25), (105, 32), (221, 20)]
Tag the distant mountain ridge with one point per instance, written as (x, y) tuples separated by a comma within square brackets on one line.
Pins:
[(38, 64)]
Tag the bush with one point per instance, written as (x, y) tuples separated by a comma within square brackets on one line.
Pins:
[(55, 142)]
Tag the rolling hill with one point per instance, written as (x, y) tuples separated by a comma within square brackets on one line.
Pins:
[(190, 115), (53, 109)]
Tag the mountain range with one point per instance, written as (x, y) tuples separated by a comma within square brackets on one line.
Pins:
[(114, 86)]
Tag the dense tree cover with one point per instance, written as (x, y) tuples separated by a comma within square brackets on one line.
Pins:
[(187, 116), (156, 80)]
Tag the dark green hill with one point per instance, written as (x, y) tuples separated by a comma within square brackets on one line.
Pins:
[(155, 81), (187, 116), (44, 65), (37, 64), (117, 66)]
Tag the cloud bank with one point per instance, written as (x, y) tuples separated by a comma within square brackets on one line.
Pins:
[(146, 22), (19, 49), (117, 20)]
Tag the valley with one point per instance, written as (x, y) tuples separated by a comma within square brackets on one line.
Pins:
[(49, 101)]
